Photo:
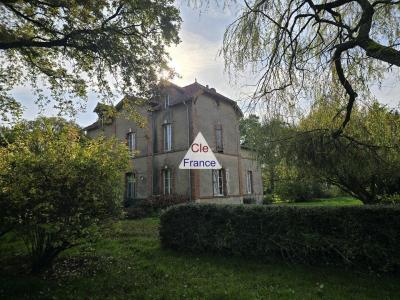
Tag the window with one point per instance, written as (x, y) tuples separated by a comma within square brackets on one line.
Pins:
[(167, 137), (249, 182), (130, 186), (167, 185), (218, 139), (166, 101), (131, 141), (218, 177)]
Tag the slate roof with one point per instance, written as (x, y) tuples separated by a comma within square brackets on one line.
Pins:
[(186, 93)]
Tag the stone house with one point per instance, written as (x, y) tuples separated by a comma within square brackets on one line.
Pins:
[(173, 119)]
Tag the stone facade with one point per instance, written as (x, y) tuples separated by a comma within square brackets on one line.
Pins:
[(159, 150)]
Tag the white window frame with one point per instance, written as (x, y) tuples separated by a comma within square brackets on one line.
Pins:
[(167, 181), (218, 182), (132, 141), (249, 182), (167, 132)]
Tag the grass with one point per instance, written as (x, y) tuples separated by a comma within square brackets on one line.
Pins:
[(128, 263), (337, 201)]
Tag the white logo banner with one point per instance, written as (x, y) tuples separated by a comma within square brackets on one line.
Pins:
[(199, 156)]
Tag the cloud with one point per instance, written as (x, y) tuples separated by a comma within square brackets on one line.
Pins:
[(389, 92), (195, 56)]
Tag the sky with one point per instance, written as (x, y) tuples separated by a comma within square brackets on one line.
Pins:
[(197, 58)]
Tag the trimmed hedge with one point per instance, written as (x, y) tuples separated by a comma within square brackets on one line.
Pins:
[(362, 236)]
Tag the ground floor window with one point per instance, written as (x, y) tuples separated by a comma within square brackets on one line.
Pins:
[(249, 182), (130, 185), (218, 177), (167, 184)]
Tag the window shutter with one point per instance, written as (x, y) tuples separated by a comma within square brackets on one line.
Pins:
[(172, 181), (215, 181), (156, 180), (172, 137), (227, 181), (219, 138), (224, 186)]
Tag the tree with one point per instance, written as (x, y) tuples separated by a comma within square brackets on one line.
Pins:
[(69, 46), (364, 160), (269, 139), (57, 187), (305, 49)]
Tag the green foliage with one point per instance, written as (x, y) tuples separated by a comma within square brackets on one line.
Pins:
[(302, 50), (127, 263), (268, 199), (361, 236), (301, 188), (307, 160), (153, 205), (332, 201), (249, 200), (111, 47), (56, 186), (391, 199), (268, 139), (364, 161)]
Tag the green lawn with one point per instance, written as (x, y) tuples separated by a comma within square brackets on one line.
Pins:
[(337, 201), (129, 264)]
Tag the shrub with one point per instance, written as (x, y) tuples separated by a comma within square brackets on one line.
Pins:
[(139, 210), (56, 187), (301, 189), (154, 205), (268, 199), (364, 236), (391, 199), (249, 200)]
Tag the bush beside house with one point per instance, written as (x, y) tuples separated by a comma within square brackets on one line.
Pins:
[(58, 188), (363, 236), (153, 205)]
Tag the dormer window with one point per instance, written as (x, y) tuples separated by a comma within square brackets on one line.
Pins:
[(106, 114), (166, 101)]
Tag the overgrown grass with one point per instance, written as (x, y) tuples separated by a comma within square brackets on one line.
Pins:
[(129, 264), (337, 201)]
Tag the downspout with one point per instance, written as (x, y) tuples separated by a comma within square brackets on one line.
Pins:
[(152, 151), (188, 141)]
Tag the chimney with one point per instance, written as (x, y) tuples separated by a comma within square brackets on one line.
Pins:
[(213, 90), (207, 86)]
